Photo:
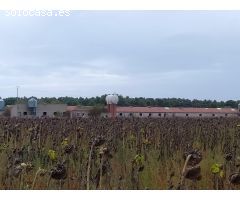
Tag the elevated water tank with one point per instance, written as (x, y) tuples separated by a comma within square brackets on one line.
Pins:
[(2, 104), (32, 102), (112, 99)]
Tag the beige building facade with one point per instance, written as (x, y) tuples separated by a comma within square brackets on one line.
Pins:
[(42, 110)]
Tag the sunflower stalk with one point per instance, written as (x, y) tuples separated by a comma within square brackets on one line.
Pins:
[(184, 170)]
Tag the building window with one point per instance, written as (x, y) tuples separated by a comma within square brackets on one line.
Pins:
[(24, 113), (213, 115), (226, 115), (140, 114), (187, 115), (120, 114), (44, 113), (165, 114), (130, 114), (159, 114), (200, 115), (150, 114), (55, 113)]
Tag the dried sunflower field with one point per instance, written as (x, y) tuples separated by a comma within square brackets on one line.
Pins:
[(100, 153)]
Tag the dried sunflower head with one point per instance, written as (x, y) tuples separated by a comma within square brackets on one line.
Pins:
[(234, 178), (99, 141), (17, 161), (193, 173), (17, 170), (59, 172), (42, 172), (196, 157), (105, 151), (228, 156), (68, 148)]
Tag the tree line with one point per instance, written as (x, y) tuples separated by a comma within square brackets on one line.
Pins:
[(129, 101)]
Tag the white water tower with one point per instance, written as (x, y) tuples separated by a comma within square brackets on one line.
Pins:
[(112, 100)]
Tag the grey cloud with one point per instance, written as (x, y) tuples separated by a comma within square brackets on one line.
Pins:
[(191, 54)]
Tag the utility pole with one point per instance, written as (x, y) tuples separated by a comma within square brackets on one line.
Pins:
[(17, 92), (17, 101)]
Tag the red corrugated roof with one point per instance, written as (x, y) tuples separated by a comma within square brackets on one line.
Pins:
[(71, 108), (78, 108), (174, 110), (132, 109)]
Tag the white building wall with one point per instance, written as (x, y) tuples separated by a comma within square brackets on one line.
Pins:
[(85, 114), (105, 115), (166, 115), (82, 114), (234, 115)]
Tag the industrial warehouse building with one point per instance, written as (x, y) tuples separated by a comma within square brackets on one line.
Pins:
[(159, 112), (33, 109), (53, 110), (154, 112), (42, 110)]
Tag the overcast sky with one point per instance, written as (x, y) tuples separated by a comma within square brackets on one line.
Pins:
[(185, 54)]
